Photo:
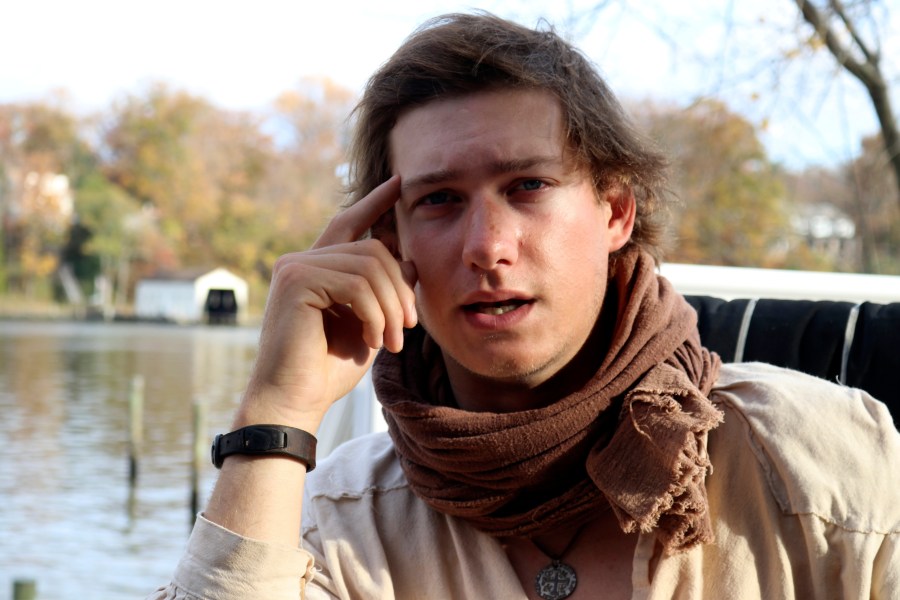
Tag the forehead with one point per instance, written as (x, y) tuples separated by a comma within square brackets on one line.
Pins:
[(474, 129)]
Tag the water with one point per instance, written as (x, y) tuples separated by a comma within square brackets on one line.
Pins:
[(68, 517)]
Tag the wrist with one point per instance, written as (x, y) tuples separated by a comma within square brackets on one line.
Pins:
[(259, 408)]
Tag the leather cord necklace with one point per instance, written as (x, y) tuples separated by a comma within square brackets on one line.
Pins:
[(558, 579)]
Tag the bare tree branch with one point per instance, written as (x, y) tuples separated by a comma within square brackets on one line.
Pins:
[(872, 56), (814, 17), (868, 73)]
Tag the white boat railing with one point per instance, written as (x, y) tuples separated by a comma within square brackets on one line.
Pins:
[(730, 283)]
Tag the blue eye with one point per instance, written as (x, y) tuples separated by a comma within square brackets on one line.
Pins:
[(531, 185), (436, 199)]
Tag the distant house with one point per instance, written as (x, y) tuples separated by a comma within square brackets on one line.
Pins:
[(826, 229), (198, 296)]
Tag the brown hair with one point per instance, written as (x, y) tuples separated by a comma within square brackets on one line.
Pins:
[(459, 54)]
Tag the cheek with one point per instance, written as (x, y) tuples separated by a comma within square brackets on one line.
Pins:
[(411, 242), (436, 274), (579, 255), (424, 244), (431, 270), (411, 246), (575, 238)]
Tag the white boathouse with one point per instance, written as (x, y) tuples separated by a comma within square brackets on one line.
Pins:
[(192, 296)]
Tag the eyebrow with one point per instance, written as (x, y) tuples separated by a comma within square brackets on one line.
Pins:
[(497, 167)]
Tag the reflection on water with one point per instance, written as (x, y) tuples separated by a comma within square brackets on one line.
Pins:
[(64, 494)]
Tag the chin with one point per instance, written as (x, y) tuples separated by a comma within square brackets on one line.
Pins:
[(514, 370)]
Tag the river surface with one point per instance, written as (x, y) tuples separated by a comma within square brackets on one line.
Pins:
[(69, 519)]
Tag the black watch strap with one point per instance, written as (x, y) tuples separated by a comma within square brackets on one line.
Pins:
[(266, 439)]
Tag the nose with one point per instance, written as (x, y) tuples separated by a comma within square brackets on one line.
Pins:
[(492, 235)]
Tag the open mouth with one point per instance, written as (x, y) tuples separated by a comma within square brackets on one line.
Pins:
[(495, 308)]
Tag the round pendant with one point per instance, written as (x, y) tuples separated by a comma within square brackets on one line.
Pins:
[(555, 581)]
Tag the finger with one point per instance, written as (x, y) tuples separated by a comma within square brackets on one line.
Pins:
[(410, 277), (379, 276), (390, 282), (394, 282), (394, 285), (351, 223), (341, 292)]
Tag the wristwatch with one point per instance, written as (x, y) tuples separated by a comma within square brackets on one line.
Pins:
[(266, 439)]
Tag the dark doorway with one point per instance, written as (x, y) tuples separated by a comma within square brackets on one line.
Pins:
[(221, 307)]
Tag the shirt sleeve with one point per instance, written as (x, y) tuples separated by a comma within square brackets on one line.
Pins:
[(886, 573), (222, 565)]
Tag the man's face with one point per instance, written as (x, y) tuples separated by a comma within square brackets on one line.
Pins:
[(509, 240)]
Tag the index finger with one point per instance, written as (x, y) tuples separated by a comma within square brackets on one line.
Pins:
[(351, 223)]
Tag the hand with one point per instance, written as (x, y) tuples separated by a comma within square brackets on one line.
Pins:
[(329, 310)]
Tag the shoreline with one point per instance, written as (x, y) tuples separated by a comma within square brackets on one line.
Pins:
[(19, 310)]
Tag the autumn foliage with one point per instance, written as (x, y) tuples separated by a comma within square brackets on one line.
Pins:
[(165, 179)]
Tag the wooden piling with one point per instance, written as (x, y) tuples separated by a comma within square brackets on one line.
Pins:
[(24, 589), (136, 426), (200, 455)]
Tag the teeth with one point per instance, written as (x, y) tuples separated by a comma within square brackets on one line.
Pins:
[(497, 310)]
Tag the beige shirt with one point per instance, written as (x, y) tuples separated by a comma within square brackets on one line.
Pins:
[(804, 497)]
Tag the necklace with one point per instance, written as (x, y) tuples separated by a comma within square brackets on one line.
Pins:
[(558, 579)]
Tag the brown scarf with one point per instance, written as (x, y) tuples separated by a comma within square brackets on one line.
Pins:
[(633, 438)]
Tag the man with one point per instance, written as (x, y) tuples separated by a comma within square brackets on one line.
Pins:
[(553, 417)]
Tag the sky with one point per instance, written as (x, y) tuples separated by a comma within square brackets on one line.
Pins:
[(242, 54)]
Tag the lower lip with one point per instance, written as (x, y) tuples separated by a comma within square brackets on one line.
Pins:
[(490, 322)]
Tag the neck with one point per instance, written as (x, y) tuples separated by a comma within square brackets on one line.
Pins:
[(600, 553)]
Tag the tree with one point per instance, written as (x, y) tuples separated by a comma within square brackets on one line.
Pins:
[(148, 157), (825, 216), (106, 235), (781, 66), (235, 157), (41, 154), (45, 137), (839, 27), (303, 186), (197, 166), (230, 187), (312, 123), (872, 205), (174, 181), (732, 208)]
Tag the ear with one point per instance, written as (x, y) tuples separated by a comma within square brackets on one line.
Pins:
[(623, 211)]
